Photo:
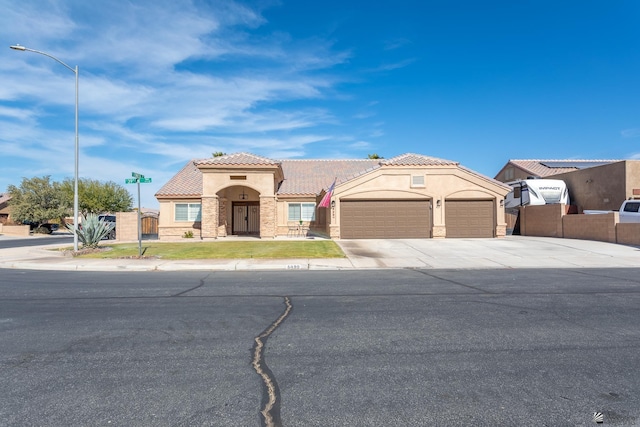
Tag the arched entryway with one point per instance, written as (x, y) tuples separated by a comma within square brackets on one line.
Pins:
[(240, 210)]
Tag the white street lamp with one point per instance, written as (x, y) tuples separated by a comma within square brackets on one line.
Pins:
[(75, 181)]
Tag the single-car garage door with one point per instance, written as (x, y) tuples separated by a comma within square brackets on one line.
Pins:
[(469, 218), (385, 219)]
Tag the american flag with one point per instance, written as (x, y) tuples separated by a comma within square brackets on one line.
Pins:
[(326, 200)]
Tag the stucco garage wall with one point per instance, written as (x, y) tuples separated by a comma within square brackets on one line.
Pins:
[(440, 184)]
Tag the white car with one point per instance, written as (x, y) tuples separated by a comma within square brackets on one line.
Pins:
[(630, 211)]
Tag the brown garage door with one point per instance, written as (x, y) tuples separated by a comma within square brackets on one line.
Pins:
[(469, 218), (384, 219)]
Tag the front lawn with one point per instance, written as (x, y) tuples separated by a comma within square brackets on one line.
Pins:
[(227, 250)]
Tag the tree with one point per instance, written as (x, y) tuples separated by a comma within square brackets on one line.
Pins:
[(95, 197), (374, 156), (219, 154), (37, 200)]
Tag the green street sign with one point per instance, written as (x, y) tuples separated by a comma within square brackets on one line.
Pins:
[(142, 180), (137, 175)]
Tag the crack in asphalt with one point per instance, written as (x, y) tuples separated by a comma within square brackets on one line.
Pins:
[(202, 281), (475, 288), (270, 411)]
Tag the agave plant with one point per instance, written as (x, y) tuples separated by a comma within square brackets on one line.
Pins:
[(93, 230)]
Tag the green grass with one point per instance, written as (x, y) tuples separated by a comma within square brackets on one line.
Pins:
[(224, 250)]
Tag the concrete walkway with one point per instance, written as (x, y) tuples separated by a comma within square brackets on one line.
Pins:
[(509, 252)]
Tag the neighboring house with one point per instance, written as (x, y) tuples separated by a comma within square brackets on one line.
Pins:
[(408, 196), (524, 169), (5, 211), (603, 187), (592, 184)]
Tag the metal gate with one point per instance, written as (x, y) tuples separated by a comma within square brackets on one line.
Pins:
[(246, 218)]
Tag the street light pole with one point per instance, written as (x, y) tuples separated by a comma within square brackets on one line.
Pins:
[(75, 180)]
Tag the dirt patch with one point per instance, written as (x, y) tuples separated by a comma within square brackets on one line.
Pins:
[(85, 251)]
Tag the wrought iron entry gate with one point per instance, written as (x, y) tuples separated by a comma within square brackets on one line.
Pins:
[(246, 218)]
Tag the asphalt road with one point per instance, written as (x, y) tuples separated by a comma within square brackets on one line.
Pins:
[(342, 348), (56, 239)]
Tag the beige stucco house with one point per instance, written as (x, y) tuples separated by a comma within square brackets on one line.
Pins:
[(592, 184), (408, 196), (516, 169)]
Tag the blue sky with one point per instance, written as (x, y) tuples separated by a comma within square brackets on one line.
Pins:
[(165, 81)]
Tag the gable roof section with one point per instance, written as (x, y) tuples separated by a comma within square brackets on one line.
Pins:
[(237, 159), (310, 177), (186, 183), (411, 159), (543, 168)]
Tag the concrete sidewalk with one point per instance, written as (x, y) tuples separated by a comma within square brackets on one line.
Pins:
[(509, 252)]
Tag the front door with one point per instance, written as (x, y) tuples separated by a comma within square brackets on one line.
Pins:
[(246, 218)]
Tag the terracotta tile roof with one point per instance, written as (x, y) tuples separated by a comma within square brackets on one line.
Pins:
[(544, 168), (186, 183), (411, 159), (310, 177), (240, 159), (301, 177)]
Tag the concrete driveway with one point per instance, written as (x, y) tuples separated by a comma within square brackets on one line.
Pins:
[(508, 252)]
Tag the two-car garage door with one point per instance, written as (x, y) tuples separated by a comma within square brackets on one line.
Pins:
[(385, 219), (407, 219)]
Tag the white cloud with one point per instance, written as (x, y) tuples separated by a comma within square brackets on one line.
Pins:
[(161, 82), (630, 133)]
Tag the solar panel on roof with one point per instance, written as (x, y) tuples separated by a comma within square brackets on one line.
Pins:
[(576, 164)]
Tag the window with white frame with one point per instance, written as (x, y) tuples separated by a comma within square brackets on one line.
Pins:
[(190, 212), (302, 211)]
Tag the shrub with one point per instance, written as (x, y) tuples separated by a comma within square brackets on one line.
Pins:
[(93, 230), (188, 234)]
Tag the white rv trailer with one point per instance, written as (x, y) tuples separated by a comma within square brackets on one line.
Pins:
[(536, 192)]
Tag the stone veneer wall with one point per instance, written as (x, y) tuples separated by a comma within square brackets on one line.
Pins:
[(223, 227), (209, 214), (439, 232), (267, 216), (178, 233)]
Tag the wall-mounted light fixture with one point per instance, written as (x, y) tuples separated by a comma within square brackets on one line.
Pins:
[(243, 196), (333, 204), (501, 203), (438, 203)]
